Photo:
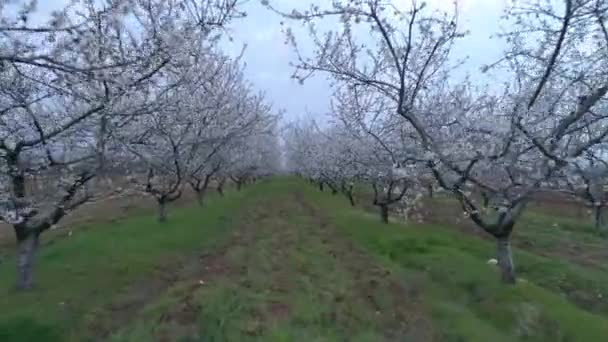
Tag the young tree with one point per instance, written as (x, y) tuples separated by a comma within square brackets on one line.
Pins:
[(302, 150), (587, 180), (182, 123), (200, 179), (341, 155), (387, 150), (254, 156), (227, 96)]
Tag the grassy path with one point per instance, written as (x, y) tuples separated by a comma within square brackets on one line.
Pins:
[(287, 276)]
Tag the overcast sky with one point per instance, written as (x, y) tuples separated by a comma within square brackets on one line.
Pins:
[(268, 58)]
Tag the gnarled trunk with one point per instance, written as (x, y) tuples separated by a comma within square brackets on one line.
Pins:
[(505, 260), (384, 213), (26, 247)]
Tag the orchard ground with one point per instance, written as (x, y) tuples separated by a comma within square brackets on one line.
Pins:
[(281, 261)]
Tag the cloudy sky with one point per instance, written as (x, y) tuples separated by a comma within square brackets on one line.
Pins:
[(268, 57)]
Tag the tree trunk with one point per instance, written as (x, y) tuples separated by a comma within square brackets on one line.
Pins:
[(384, 213), (351, 199), (430, 190), (200, 197), (486, 199), (334, 191), (505, 260), (600, 219), (321, 186), (27, 248), (220, 188), (162, 211), (238, 185)]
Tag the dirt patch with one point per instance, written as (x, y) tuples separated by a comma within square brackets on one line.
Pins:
[(278, 311)]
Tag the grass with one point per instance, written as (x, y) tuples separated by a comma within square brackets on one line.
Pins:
[(287, 277), (555, 300), (75, 275), (282, 261)]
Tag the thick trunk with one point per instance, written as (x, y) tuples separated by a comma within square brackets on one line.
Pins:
[(505, 260), (384, 213), (162, 211), (220, 189), (321, 186), (27, 248)]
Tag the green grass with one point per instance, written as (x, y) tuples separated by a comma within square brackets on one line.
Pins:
[(285, 262), (555, 300), (75, 275), (290, 279)]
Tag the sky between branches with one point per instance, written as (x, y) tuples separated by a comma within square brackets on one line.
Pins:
[(268, 57)]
